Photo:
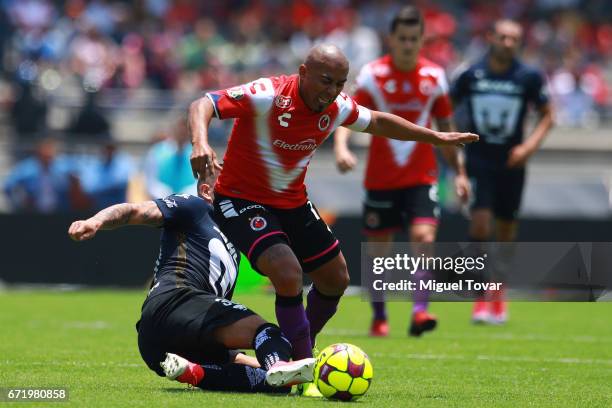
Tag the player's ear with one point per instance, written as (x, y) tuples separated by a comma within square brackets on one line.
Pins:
[(302, 71), (206, 192)]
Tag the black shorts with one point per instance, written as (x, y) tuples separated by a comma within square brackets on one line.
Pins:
[(388, 211), (499, 190), (254, 227), (181, 321)]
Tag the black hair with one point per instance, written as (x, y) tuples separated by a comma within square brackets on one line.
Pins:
[(409, 15)]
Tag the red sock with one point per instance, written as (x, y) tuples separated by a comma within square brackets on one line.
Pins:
[(192, 375)]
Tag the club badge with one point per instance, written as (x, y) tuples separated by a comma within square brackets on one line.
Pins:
[(258, 223)]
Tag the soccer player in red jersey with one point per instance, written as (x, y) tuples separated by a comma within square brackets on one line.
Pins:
[(261, 202), (401, 176)]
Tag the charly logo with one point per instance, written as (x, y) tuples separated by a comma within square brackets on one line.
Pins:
[(258, 223), (426, 87), (283, 102), (304, 145), (324, 122), (236, 92)]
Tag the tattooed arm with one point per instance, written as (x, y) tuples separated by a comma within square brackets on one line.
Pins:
[(144, 213)]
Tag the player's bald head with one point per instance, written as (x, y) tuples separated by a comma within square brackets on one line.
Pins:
[(322, 76), (327, 55)]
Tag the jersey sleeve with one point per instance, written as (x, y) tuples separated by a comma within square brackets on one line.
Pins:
[(460, 87), (351, 114), (251, 99), (538, 90), (181, 210)]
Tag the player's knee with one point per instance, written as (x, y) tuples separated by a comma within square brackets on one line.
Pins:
[(337, 279), (424, 237), (281, 266)]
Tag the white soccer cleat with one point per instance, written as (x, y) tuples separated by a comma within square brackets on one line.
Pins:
[(481, 317), (174, 366), (286, 373)]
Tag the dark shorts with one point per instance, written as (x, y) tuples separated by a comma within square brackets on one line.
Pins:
[(388, 211), (499, 190), (254, 227), (181, 321)]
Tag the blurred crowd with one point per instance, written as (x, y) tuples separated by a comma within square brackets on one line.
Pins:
[(186, 46)]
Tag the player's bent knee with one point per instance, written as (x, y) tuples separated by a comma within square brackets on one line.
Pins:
[(281, 266), (240, 333), (333, 278)]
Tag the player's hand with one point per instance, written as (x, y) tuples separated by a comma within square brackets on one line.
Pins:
[(83, 230), (345, 160), (518, 156), (204, 160), (455, 138), (462, 188)]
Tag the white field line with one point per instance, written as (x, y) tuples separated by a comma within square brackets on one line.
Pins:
[(22, 363), (490, 336), (484, 357)]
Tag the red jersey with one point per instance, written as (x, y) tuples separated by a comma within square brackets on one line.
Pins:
[(274, 137), (415, 95)]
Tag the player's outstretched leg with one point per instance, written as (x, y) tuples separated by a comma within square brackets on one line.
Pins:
[(229, 377)]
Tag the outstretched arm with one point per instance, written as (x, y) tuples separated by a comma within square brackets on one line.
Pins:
[(345, 159), (395, 127), (522, 152), (118, 215), (203, 157)]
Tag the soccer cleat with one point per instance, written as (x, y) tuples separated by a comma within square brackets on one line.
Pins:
[(498, 318), (309, 389), (182, 370), (480, 312), (286, 373), (379, 328), (421, 322), (499, 312)]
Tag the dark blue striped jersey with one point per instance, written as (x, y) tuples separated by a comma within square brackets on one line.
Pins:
[(495, 106), (193, 251)]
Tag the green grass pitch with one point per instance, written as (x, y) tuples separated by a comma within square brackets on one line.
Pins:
[(549, 354)]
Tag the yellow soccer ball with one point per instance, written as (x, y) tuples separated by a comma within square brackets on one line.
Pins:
[(343, 371)]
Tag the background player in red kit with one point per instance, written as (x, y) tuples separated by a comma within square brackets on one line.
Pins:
[(401, 176), (261, 202)]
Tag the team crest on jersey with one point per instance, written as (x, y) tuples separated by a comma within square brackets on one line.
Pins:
[(236, 92), (426, 87), (372, 220), (324, 122), (258, 223), (282, 101)]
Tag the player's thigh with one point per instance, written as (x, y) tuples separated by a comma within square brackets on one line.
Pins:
[(186, 323), (482, 183), (382, 213), (423, 212), (281, 266), (250, 226), (240, 334), (508, 195), (311, 239)]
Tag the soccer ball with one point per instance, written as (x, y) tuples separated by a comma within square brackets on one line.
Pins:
[(343, 371)]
